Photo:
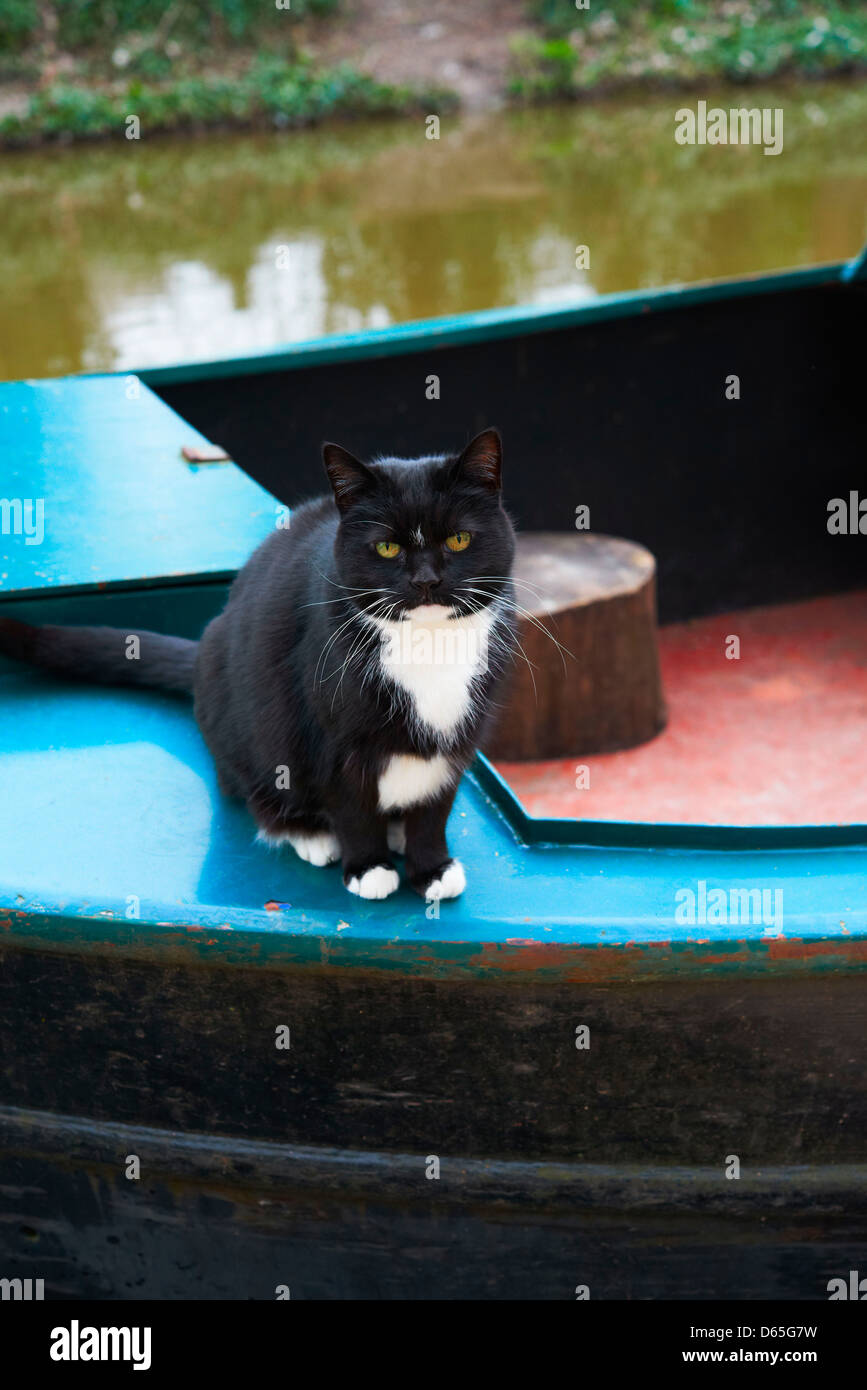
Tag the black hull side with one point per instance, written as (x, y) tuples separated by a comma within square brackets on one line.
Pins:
[(627, 415)]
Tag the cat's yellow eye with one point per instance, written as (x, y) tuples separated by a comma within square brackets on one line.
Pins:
[(387, 549), (459, 541)]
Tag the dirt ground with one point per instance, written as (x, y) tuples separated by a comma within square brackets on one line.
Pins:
[(461, 44)]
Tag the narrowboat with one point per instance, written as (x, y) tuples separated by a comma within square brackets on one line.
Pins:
[(629, 1062)]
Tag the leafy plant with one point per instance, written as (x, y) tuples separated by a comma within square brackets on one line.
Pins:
[(19, 22), (269, 93), (740, 41), (85, 24)]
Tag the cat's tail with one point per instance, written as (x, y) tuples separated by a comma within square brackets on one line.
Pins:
[(103, 655)]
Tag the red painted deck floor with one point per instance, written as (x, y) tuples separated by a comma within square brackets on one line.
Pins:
[(778, 737)]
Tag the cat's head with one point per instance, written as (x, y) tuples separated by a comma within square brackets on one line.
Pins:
[(427, 537)]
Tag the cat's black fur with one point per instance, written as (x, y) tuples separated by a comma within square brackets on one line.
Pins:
[(287, 681)]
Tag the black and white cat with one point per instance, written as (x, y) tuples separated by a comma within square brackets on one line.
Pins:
[(348, 681)]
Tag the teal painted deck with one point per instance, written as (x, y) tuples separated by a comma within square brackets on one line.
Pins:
[(121, 505), (110, 808), (112, 831)]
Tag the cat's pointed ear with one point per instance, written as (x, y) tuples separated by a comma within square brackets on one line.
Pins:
[(348, 476), (481, 463)]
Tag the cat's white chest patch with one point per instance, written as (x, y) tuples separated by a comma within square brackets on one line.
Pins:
[(408, 781), (434, 659)]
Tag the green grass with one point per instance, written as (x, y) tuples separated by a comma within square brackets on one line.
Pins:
[(177, 65), (99, 24), (678, 42), (270, 93)]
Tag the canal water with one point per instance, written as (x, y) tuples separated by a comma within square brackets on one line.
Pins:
[(131, 254)]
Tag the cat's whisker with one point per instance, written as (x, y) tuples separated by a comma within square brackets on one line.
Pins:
[(508, 649), (368, 521), (356, 648), (539, 594), (516, 648), (354, 588), (531, 667), (355, 616), (319, 603), (357, 643), (512, 579), (338, 632), (373, 665), (524, 613), (540, 626), (359, 614)]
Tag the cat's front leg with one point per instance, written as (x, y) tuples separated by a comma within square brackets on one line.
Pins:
[(430, 869), (363, 837)]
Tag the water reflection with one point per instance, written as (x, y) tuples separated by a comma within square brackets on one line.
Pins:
[(115, 257)]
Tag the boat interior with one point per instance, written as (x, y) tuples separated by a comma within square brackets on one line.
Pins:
[(723, 433)]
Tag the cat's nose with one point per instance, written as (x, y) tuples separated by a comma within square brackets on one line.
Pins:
[(424, 580)]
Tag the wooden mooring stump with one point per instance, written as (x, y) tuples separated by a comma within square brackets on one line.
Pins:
[(591, 680)]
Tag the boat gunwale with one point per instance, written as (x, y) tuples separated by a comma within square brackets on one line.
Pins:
[(642, 835), (487, 325)]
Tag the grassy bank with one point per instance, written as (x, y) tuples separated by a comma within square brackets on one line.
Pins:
[(268, 93), (146, 26), (80, 69), (683, 43)]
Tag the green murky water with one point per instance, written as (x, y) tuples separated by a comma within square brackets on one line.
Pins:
[(131, 254)]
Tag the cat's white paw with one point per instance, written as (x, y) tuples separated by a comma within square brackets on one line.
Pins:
[(450, 884), (319, 847), (271, 839), (379, 882), (397, 837)]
